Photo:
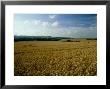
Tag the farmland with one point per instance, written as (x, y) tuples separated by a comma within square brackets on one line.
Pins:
[(55, 58)]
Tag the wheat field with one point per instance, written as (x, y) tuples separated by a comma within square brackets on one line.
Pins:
[(55, 58)]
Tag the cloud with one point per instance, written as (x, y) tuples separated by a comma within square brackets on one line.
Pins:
[(54, 24), (40, 23), (26, 22), (75, 32), (52, 16), (36, 22), (45, 24), (55, 28)]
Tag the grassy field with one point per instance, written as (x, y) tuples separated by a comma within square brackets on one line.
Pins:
[(55, 58)]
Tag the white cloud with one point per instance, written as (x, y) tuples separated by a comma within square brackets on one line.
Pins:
[(54, 24), (52, 16), (40, 23), (26, 22), (36, 22), (47, 28), (45, 24)]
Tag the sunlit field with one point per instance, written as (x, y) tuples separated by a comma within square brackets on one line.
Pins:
[(55, 58)]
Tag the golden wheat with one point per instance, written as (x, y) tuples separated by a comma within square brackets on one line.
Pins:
[(55, 58)]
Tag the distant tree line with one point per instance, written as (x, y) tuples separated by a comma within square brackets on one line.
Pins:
[(35, 38), (91, 38), (46, 38)]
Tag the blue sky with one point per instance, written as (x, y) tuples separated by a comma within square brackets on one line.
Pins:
[(56, 25)]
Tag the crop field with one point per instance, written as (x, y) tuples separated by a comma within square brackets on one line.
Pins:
[(55, 58)]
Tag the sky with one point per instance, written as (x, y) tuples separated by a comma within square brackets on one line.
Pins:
[(56, 25)]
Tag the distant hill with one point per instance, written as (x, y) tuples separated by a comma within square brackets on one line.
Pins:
[(48, 38), (38, 38)]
